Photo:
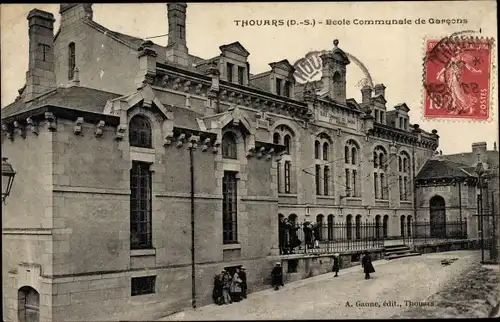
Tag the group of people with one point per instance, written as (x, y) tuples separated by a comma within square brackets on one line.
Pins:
[(229, 289), (366, 264), (289, 239)]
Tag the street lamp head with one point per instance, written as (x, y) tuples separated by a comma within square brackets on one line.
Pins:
[(8, 175), (479, 169)]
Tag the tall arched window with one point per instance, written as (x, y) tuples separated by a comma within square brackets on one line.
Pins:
[(351, 169), (402, 224), (385, 226), (276, 138), (358, 227), (379, 174), (437, 207), (287, 143), (140, 133), (29, 304), (316, 150), (404, 176), (229, 146), (331, 222), (348, 222), (319, 226), (326, 151), (346, 154), (71, 60), (284, 170), (377, 227)]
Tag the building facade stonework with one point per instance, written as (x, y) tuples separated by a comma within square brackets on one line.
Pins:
[(100, 220)]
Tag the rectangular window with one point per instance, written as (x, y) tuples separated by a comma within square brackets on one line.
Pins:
[(288, 88), (406, 188), (382, 117), (181, 31), (376, 116), (375, 184), (140, 206), (229, 72), (278, 174), (278, 86), (288, 165), (400, 122), (347, 183), (71, 60), (401, 192), (354, 182), (292, 264), (318, 183), (143, 285), (229, 208), (383, 193), (241, 75), (406, 123), (326, 180)]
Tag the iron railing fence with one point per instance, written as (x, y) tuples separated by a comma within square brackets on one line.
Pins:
[(422, 232), (324, 238)]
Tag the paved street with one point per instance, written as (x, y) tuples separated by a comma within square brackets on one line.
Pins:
[(324, 297)]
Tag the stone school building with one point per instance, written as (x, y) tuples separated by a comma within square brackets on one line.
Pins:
[(133, 159)]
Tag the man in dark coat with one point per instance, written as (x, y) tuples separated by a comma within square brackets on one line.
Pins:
[(336, 264), (277, 276), (317, 234), (368, 268), (217, 291), (294, 239), (243, 276)]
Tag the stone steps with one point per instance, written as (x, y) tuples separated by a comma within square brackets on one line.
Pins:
[(398, 251)]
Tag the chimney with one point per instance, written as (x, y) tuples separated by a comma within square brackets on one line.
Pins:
[(72, 12), (479, 152), (177, 51), (379, 90), (494, 146), (147, 64), (40, 76), (366, 94)]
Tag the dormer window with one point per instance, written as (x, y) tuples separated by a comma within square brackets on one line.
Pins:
[(382, 119), (241, 75), (229, 72), (278, 86), (376, 116), (288, 87)]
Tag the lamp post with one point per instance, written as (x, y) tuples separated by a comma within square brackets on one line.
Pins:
[(480, 172), (8, 175), (418, 138)]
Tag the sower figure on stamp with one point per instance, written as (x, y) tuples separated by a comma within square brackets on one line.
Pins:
[(277, 276), (336, 264), (367, 265), (451, 75)]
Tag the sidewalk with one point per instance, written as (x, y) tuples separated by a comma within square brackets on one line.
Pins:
[(324, 297)]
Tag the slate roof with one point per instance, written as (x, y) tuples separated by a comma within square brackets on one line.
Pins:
[(442, 169), (77, 98)]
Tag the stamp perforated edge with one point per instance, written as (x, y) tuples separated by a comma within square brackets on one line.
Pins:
[(471, 34)]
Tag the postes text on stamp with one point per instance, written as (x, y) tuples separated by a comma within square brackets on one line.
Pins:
[(457, 78)]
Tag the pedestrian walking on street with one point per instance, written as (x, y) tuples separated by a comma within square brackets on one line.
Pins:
[(236, 286), (243, 276), (367, 265), (217, 291), (277, 276), (226, 287), (336, 264)]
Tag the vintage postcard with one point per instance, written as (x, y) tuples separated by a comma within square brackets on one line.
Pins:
[(249, 161)]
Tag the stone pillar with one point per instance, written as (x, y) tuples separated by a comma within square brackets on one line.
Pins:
[(177, 51), (147, 64)]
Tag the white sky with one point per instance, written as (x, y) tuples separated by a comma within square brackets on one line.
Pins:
[(392, 54)]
